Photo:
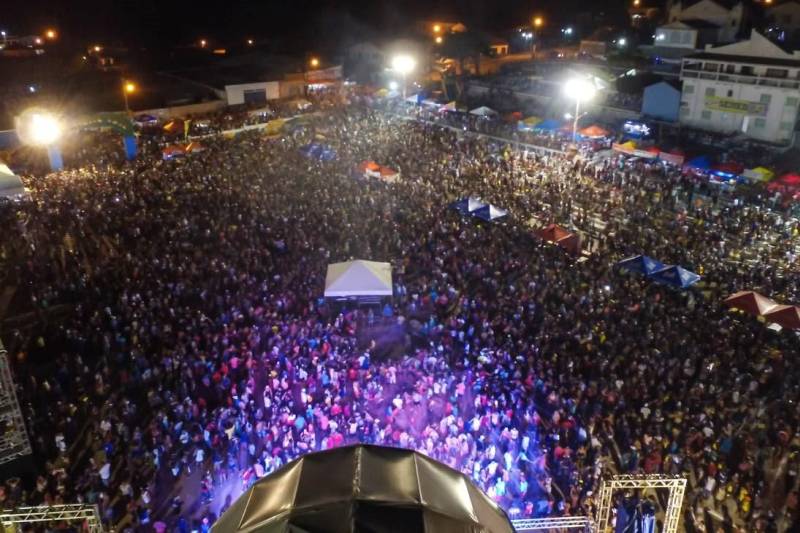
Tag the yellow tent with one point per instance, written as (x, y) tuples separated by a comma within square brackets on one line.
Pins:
[(758, 174), (629, 145), (532, 121), (382, 93), (273, 127)]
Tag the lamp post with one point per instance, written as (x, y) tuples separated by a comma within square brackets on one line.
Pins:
[(403, 64), (40, 128), (538, 22), (581, 90), (128, 87)]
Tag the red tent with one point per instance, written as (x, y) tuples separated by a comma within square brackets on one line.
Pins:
[(787, 316), (173, 151), (552, 233), (750, 302), (731, 167), (653, 150), (788, 183), (571, 243)]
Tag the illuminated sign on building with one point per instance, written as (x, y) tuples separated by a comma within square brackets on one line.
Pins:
[(741, 107)]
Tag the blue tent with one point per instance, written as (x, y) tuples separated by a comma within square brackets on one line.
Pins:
[(465, 206), (641, 264), (548, 125), (318, 151), (702, 162), (489, 213), (675, 276)]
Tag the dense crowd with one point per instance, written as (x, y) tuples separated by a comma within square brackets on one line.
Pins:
[(186, 340)]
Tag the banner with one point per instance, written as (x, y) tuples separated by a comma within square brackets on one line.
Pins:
[(741, 107)]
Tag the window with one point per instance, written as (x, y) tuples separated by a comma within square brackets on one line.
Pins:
[(689, 89), (730, 69), (747, 71), (777, 73), (761, 123), (710, 91), (791, 101), (706, 115), (786, 126), (766, 98), (730, 93)]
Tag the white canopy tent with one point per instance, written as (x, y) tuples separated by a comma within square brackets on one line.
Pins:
[(358, 278), (10, 184), (483, 111)]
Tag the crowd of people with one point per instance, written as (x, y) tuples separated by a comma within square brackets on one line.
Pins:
[(182, 339)]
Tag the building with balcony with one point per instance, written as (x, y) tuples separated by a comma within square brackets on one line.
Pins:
[(749, 87)]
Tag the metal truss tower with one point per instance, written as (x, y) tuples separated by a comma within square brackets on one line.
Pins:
[(14, 440), (86, 515)]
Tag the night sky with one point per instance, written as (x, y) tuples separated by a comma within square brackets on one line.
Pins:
[(298, 24)]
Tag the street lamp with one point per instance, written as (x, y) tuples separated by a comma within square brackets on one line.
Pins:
[(250, 42), (439, 39), (403, 64), (437, 28), (314, 62), (538, 22), (128, 87), (51, 34), (37, 127), (203, 43), (581, 90)]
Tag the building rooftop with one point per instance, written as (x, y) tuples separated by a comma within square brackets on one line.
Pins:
[(756, 60)]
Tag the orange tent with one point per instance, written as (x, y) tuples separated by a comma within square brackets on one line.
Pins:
[(594, 131), (194, 147), (552, 233), (750, 302), (787, 316)]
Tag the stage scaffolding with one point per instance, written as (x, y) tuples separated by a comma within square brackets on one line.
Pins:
[(579, 524), (86, 515), (601, 523), (14, 441), (672, 514)]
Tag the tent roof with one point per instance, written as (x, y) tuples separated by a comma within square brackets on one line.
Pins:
[(594, 131), (641, 264), (10, 183), (483, 111), (364, 488), (489, 212), (548, 125), (750, 302), (553, 233), (675, 276), (787, 316), (358, 278), (466, 206)]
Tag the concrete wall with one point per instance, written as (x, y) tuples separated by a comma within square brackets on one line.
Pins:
[(235, 93), (184, 110)]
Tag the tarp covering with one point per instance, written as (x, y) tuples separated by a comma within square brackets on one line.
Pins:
[(750, 302), (787, 316), (371, 169), (548, 125), (675, 276), (364, 488), (193, 147), (483, 111), (466, 206), (571, 243), (358, 278), (450, 106), (700, 163), (10, 184), (758, 174), (641, 264), (489, 213)]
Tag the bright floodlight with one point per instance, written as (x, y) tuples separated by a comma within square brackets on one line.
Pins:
[(43, 129), (403, 64), (579, 89), (393, 85)]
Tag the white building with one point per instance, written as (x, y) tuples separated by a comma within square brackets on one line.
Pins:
[(749, 87), (726, 15), (252, 93)]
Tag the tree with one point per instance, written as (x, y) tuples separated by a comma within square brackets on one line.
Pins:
[(465, 45)]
